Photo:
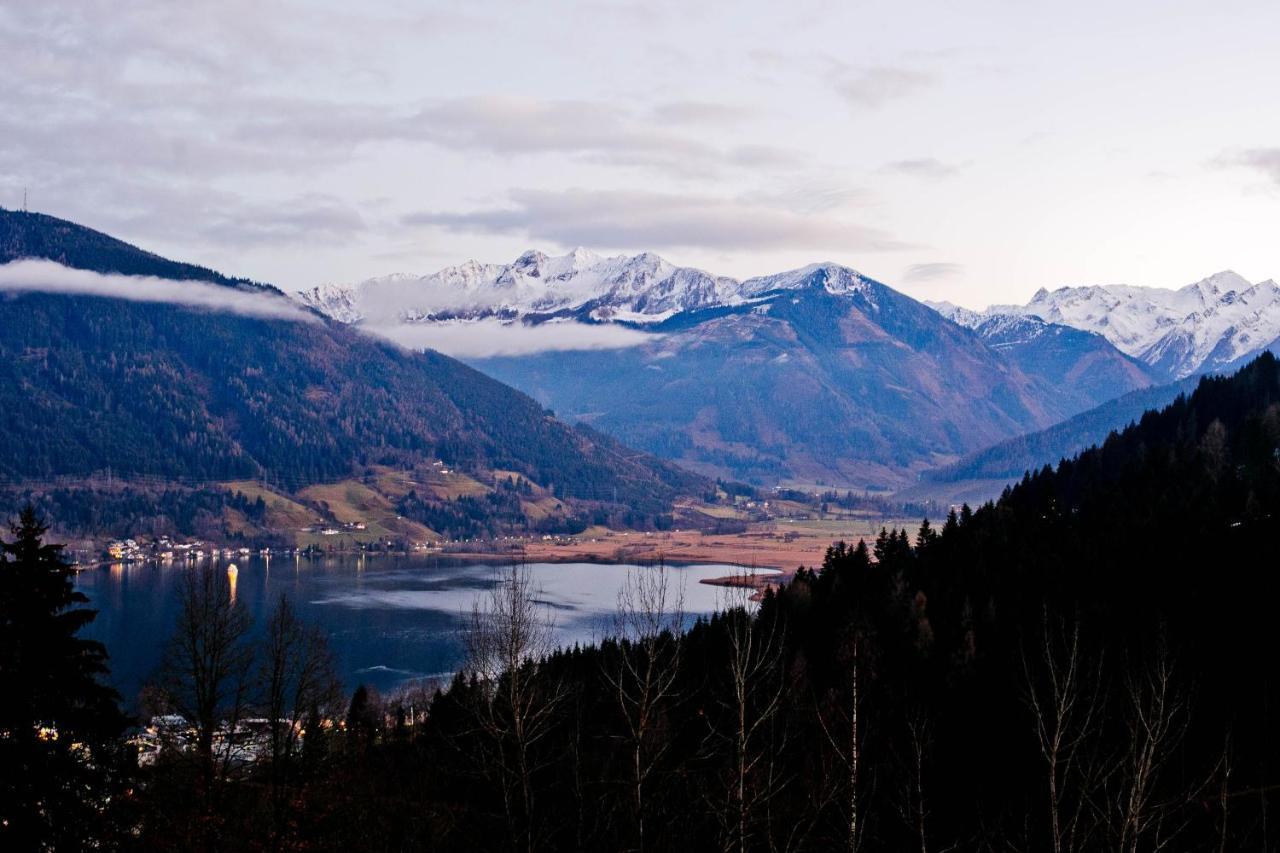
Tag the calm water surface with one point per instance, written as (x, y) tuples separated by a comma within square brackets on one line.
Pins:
[(390, 619)]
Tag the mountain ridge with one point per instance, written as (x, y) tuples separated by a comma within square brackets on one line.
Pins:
[(642, 289), (1212, 324)]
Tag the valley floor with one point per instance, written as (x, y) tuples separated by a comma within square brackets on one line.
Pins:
[(774, 544)]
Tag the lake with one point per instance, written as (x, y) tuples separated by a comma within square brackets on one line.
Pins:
[(390, 620)]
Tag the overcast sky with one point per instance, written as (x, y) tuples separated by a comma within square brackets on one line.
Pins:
[(966, 151)]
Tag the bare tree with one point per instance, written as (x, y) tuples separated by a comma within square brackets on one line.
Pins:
[(648, 627), (205, 672), (1062, 689), (1223, 772), (912, 808), (299, 681), (754, 695), (507, 641), (1156, 716), (841, 724)]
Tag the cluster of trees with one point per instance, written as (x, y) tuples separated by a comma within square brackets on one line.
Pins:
[(1085, 664), (90, 510), (466, 516), (502, 511)]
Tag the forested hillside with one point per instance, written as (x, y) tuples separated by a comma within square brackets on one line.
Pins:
[(1012, 458)]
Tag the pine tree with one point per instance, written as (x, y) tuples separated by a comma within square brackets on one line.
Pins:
[(59, 722)]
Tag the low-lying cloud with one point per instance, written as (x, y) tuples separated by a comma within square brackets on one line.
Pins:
[(648, 220), (41, 276), (485, 338)]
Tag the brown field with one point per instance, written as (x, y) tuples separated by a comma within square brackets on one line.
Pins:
[(772, 544)]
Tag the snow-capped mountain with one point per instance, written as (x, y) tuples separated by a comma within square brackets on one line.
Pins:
[(1065, 357), (819, 374), (1205, 326), (641, 289)]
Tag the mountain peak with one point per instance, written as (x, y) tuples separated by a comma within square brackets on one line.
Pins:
[(531, 257), (1204, 326), (832, 277), (1219, 286)]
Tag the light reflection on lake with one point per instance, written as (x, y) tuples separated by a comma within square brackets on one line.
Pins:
[(389, 619)]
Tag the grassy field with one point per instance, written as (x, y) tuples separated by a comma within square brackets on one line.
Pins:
[(282, 512), (354, 501)]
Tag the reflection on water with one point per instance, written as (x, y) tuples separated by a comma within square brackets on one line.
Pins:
[(389, 619)]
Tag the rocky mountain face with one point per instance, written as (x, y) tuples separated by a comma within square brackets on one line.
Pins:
[(1212, 325), (1084, 362), (815, 375)]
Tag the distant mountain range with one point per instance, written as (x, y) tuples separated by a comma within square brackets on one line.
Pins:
[(643, 289), (92, 384), (1215, 324), (816, 375)]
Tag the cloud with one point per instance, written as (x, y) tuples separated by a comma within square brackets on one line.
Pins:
[(40, 276), (923, 167), (1263, 160), (931, 272), (596, 131), (698, 113), (874, 87), (182, 217), (640, 220), (819, 195), (310, 218), (484, 338)]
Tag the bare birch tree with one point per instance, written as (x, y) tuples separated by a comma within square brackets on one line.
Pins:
[(754, 695), (912, 804), (1062, 689), (1156, 716), (506, 642), (648, 627), (841, 724)]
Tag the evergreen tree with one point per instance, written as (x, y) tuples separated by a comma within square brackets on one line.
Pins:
[(59, 723)]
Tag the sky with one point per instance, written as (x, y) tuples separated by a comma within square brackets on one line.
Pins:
[(972, 152)]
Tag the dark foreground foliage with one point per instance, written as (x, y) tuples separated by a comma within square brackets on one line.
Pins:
[(61, 759)]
